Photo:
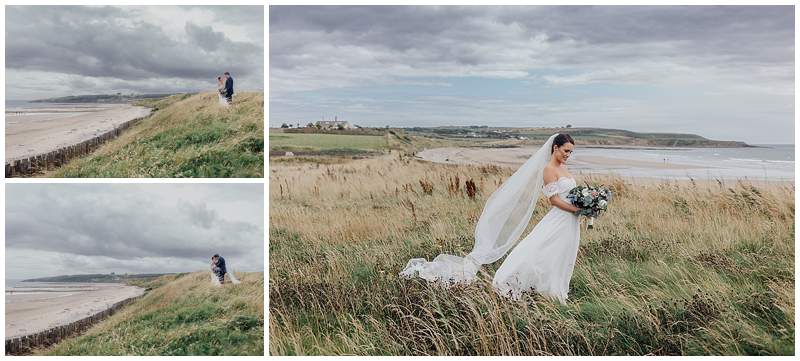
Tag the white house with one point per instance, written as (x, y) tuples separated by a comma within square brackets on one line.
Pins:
[(333, 124)]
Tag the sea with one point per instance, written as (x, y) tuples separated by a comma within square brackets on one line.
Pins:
[(770, 162), (16, 108), (10, 104), (54, 289), (22, 112)]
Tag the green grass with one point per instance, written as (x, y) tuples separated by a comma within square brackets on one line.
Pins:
[(186, 136), (182, 315), (327, 144), (672, 269)]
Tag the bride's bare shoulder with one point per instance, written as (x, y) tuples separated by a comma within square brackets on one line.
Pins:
[(550, 174)]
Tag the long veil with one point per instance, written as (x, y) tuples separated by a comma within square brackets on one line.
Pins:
[(233, 277), (230, 273), (505, 216)]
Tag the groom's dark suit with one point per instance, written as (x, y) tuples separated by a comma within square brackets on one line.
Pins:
[(221, 270), (229, 88)]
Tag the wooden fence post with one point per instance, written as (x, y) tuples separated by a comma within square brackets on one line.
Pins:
[(23, 344), (59, 157)]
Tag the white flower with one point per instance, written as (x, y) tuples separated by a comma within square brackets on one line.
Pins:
[(602, 203), (585, 192)]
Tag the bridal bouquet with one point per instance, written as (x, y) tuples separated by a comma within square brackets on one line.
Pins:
[(591, 201)]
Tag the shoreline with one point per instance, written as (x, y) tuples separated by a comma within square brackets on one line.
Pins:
[(516, 156), (634, 166), (33, 132), (34, 312), (43, 162)]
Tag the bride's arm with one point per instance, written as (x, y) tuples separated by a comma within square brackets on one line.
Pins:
[(556, 201), (550, 176)]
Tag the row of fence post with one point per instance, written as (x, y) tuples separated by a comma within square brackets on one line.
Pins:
[(54, 159), (24, 344)]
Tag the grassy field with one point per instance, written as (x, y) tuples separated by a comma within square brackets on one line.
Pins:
[(334, 148), (327, 144), (181, 315), (671, 269), (186, 136)]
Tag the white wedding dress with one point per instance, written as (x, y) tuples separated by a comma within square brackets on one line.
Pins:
[(543, 261), (222, 100)]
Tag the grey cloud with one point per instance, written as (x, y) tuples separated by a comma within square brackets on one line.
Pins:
[(740, 33), (721, 28), (711, 70), (131, 224), (238, 15), (389, 42), (199, 213), (119, 43), (204, 36)]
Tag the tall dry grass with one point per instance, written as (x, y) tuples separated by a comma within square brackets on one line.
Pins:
[(672, 268)]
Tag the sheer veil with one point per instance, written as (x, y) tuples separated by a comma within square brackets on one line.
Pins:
[(215, 279), (505, 216)]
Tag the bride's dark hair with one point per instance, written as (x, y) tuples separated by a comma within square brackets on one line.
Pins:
[(560, 140)]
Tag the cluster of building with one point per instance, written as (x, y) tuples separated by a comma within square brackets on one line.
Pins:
[(325, 124), (333, 124)]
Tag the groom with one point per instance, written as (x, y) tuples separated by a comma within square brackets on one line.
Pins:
[(218, 266), (228, 87)]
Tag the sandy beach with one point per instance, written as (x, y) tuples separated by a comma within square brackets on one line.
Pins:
[(34, 131), (631, 162), (514, 157), (38, 306)]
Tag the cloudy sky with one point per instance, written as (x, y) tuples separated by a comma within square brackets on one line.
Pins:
[(68, 50), (57, 229), (721, 72)]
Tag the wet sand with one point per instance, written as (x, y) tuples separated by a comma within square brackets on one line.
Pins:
[(514, 157), (34, 131), (38, 306), (628, 163)]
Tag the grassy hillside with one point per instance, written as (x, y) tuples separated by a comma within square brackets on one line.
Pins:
[(672, 268), (181, 315), (186, 136)]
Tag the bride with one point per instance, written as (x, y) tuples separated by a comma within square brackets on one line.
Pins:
[(221, 91), (541, 262)]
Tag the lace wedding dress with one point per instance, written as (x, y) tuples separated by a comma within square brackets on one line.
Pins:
[(543, 261)]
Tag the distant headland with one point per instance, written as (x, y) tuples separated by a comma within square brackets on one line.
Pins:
[(97, 277), (103, 98)]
